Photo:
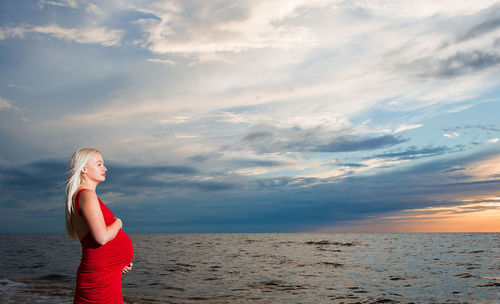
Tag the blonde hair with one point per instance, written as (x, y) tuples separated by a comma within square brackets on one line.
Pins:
[(73, 181)]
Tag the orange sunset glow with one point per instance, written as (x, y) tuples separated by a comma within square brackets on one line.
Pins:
[(477, 216)]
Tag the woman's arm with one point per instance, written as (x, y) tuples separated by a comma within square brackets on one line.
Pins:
[(91, 211)]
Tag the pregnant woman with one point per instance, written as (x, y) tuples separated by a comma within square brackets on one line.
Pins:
[(106, 250)]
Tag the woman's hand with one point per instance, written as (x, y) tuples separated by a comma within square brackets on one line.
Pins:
[(119, 222), (127, 268)]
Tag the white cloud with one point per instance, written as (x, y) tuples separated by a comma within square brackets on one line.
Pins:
[(63, 3), (247, 25), (249, 118), (164, 61), (174, 120), (407, 127), (186, 136), (12, 32), (494, 140), (7, 105), (293, 63), (451, 135), (460, 109), (422, 8), (93, 9), (93, 35), (238, 27)]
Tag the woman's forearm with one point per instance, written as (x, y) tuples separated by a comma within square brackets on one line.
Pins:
[(110, 232)]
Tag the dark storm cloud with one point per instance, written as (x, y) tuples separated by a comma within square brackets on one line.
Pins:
[(47, 177), (32, 189), (204, 186), (45, 174), (410, 187), (297, 208), (269, 139), (129, 179), (141, 172), (237, 203)]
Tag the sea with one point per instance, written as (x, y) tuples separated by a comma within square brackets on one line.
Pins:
[(268, 268)]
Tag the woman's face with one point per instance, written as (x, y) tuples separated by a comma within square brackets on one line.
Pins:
[(95, 169)]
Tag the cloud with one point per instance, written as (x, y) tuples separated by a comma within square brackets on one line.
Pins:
[(350, 143), (158, 180), (35, 182), (353, 165), (489, 23), (232, 117), (203, 186), (407, 127), (258, 135), (457, 45), (89, 35), (38, 176), (164, 61), (485, 169), (472, 214), (12, 32), (268, 139), (95, 35), (422, 9), (451, 135), (266, 113), (204, 157), (462, 63), (175, 120), (469, 130), (489, 127), (414, 153), (189, 195), (476, 217), (187, 28), (62, 3), (248, 163), (8, 105)]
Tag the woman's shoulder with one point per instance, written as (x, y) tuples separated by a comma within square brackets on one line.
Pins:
[(85, 195)]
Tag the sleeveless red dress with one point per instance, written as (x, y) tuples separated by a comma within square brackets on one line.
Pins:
[(99, 278)]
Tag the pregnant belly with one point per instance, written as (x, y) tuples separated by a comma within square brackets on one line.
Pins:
[(112, 256), (121, 252)]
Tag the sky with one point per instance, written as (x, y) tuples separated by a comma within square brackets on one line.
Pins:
[(255, 116)]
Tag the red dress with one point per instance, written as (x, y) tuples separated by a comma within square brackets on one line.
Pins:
[(99, 278)]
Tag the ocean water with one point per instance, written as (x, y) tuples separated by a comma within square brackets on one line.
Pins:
[(268, 268)]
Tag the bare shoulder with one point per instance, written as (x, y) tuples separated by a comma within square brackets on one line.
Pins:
[(88, 197)]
